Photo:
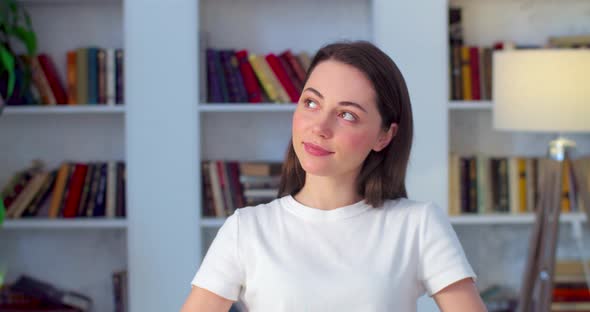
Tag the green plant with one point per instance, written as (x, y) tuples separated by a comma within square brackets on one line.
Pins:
[(15, 23)]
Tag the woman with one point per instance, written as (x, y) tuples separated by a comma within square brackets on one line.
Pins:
[(342, 236)]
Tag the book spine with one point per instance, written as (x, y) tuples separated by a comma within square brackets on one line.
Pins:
[(252, 86), (71, 77), (92, 75), (111, 87), (101, 63), (82, 75), (279, 71), (53, 78), (214, 94), (120, 76)]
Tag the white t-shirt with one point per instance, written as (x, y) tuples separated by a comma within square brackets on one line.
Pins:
[(284, 256)]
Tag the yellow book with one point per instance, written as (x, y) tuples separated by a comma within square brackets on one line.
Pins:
[(514, 185), (466, 73), (265, 81), (58, 190), (274, 80)]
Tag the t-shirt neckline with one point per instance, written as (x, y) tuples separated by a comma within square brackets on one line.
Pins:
[(317, 214)]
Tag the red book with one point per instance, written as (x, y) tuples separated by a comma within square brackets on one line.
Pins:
[(250, 81), (297, 68), (75, 191), (475, 79), (571, 295), (53, 78), (275, 64)]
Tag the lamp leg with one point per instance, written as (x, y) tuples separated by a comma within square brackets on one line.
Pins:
[(547, 261), (537, 282), (532, 264)]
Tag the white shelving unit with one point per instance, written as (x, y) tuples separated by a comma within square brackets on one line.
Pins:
[(79, 254), (496, 245)]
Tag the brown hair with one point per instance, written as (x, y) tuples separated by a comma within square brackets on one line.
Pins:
[(383, 173)]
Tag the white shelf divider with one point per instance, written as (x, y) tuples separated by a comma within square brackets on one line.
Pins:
[(211, 222), (90, 223), (247, 107), (499, 219), (63, 109), (470, 105), (491, 219)]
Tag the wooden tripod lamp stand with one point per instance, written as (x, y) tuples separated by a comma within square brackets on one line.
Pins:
[(544, 90)]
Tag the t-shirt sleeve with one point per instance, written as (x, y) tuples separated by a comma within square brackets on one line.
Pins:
[(221, 271), (442, 259)]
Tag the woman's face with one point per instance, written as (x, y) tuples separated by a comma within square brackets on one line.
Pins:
[(336, 123)]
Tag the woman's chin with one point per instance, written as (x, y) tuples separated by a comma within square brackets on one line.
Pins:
[(313, 168)]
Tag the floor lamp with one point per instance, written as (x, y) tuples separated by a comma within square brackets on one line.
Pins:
[(545, 91)]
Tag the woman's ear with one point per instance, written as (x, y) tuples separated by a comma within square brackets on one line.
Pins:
[(385, 137)]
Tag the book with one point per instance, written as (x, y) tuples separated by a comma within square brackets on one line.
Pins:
[(50, 293)]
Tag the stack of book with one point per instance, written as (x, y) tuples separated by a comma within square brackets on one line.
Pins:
[(494, 184), (243, 77), (229, 185), (93, 75), (570, 289), (75, 189)]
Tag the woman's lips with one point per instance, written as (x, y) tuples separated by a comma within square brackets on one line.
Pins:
[(316, 150)]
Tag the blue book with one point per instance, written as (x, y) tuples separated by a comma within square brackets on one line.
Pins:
[(93, 75)]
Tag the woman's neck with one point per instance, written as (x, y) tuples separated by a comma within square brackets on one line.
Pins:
[(328, 192)]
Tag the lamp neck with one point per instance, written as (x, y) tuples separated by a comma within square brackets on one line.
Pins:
[(561, 148)]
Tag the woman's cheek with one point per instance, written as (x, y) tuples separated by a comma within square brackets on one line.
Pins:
[(356, 140), (298, 123)]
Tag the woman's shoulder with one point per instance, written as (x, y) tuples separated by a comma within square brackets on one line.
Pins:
[(260, 210)]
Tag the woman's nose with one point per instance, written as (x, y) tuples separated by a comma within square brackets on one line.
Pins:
[(323, 127)]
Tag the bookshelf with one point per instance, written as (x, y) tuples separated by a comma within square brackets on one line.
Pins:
[(470, 132), (81, 254)]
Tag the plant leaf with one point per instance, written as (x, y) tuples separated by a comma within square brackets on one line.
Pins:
[(7, 62), (27, 37)]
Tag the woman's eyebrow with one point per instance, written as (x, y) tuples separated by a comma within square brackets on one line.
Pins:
[(343, 103)]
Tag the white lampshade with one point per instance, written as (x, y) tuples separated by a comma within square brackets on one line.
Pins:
[(542, 90)]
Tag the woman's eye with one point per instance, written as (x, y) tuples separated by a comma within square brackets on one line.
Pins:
[(311, 104), (348, 116)]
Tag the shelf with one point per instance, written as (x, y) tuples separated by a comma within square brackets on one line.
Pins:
[(510, 219), (492, 219), (247, 107), (63, 109), (470, 105), (210, 222), (94, 223), (58, 2)]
